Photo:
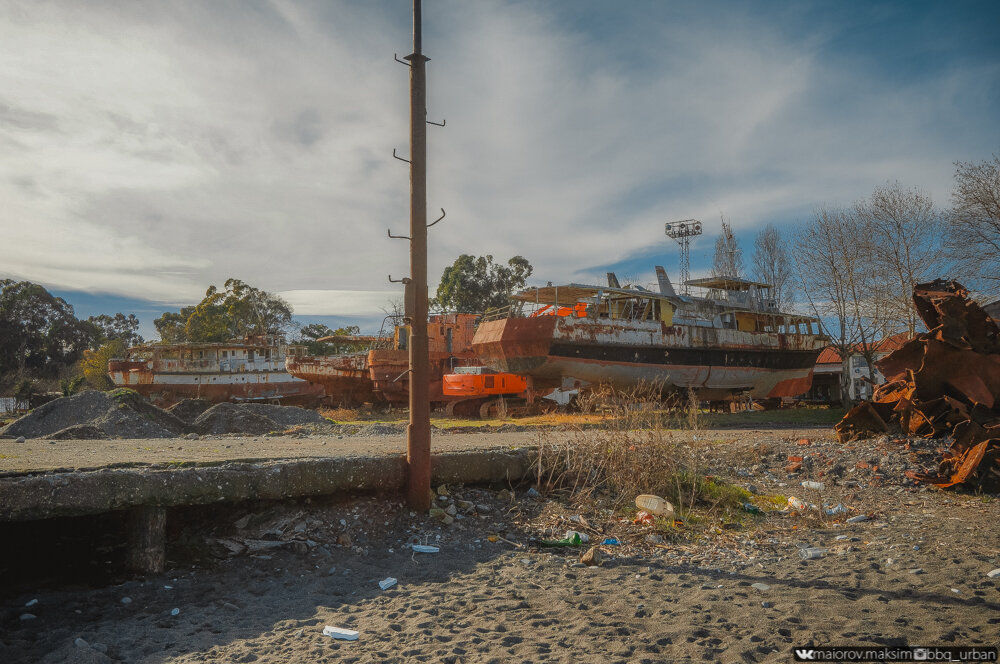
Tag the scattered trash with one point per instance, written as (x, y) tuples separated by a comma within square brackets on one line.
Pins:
[(643, 518), (795, 503), (760, 586), (811, 552), (838, 509), (956, 591), (568, 541), (917, 570), (858, 519), (387, 583), (818, 486), (340, 633), (611, 541), (653, 538), (175, 612), (766, 605), (424, 548), (994, 574), (751, 508), (532, 493), (592, 557), (570, 534), (654, 505), (442, 490)]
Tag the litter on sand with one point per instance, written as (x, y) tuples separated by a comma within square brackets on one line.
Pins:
[(385, 584), (340, 633), (424, 548)]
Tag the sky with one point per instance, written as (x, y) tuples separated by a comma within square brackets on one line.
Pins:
[(150, 149)]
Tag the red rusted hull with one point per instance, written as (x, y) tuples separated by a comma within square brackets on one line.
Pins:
[(572, 352), (345, 378), (391, 378)]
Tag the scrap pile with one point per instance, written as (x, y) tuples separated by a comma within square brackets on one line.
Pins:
[(943, 382)]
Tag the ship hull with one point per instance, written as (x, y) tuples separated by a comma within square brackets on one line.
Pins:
[(345, 379), (165, 389), (570, 352)]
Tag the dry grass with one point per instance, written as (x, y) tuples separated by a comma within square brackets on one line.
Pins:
[(340, 414)]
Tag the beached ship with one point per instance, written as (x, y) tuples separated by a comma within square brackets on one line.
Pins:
[(381, 373), (730, 343), (248, 370)]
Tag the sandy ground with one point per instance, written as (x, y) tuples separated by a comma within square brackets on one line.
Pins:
[(914, 573), (43, 454)]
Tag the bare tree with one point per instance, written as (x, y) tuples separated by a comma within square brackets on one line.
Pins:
[(836, 279), (728, 260), (904, 249), (974, 237), (772, 265)]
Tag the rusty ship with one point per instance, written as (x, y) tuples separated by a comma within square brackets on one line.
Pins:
[(381, 373), (248, 370), (729, 343)]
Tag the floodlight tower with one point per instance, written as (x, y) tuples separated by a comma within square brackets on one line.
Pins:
[(683, 231)]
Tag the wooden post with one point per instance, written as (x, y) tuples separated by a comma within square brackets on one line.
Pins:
[(147, 539)]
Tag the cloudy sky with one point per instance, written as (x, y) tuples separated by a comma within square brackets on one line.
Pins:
[(150, 148)]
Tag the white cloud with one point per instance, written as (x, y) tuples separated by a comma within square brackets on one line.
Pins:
[(154, 148), (339, 302)]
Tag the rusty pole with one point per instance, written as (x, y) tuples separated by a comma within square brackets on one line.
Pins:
[(418, 433)]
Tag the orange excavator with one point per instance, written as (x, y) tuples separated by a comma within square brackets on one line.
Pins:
[(484, 392)]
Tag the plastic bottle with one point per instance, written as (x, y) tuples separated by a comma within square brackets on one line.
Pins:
[(813, 485), (811, 552), (795, 503), (572, 534), (654, 505)]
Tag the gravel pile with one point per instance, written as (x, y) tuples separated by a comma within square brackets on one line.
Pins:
[(118, 414), (284, 416), (232, 418), (188, 410)]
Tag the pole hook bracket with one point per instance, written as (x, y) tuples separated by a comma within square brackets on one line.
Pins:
[(398, 157), (436, 124), (396, 237), (438, 219), (395, 56), (404, 280), (401, 375)]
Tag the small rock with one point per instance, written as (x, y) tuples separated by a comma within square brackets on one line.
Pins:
[(19, 439), (956, 591), (242, 523), (917, 570), (126, 600), (505, 496), (448, 520), (230, 606), (766, 605), (35, 601), (994, 574), (858, 519), (451, 510), (653, 538), (760, 586), (28, 616), (484, 509), (298, 633), (332, 571), (80, 643), (465, 505), (99, 647), (175, 612), (594, 556), (344, 539), (442, 490), (192, 436)]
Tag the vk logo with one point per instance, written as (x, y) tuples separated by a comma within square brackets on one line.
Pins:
[(802, 655)]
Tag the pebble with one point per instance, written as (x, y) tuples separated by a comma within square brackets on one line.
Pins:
[(994, 574), (766, 605), (20, 439), (858, 519), (80, 643), (126, 600), (760, 586), (918, 570), (175, 612), (230, 606), (28, 616), (35, 601), (956, 591)]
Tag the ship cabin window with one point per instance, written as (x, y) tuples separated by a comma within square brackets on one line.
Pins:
[(225, 354)]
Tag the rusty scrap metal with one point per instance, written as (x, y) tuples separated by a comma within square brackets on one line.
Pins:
[(943, 382)]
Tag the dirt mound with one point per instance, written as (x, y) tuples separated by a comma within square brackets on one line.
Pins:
[(79, 432), (284, 416), (119, 414), (188, 410), (233, 418)]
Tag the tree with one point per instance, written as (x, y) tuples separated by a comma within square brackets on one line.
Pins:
[(309, 336), (772, 265), (834, 269), (95, 363), (118, 327), (239, 311), (728, 259), (974, 237), (475, 284), (904, 249), (38, 331)]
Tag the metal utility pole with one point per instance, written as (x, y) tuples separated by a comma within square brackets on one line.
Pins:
[(683, 231), (418, 433)]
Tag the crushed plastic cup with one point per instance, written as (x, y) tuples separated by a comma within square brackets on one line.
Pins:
[(818, 486), (571, 534), (654, 505), (795, 503), (838, 509), (340, 633), (424, 548), (385, 584), (643, 518), (812, 552), (611, 541)]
